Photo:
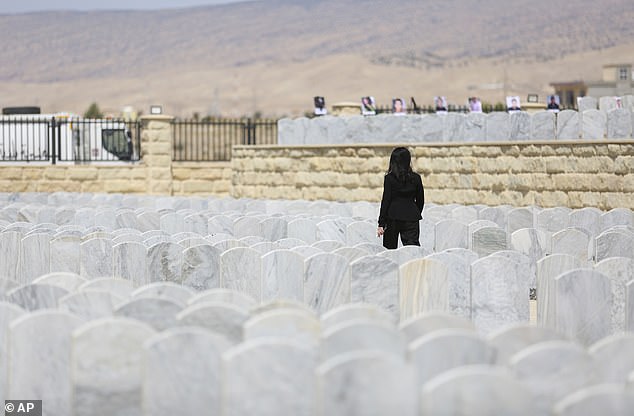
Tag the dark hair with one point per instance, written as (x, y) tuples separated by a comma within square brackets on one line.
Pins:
[(401, 164)]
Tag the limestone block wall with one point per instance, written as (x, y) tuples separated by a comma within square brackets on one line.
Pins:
[(201, 178), (545, 173)]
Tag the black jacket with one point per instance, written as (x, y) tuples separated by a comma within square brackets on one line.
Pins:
[(401, 201)]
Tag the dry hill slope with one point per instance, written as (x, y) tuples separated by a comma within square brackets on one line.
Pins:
[(270, 55)]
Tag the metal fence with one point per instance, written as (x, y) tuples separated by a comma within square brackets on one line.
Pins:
[(211, 139), (46, 138)]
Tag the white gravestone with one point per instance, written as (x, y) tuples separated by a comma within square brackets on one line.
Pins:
[(39, 359), (289, 324), (182, 372), (326, 281), (276, 375), (129, 261), (375, 280), (553, 369), (282, 275), (240, 269), (424, 286), (362, 335), (445, 349), (201, 267), (164, 262), (583, 305), (222, 318), (476, 390), (369, 383), (499, 294), (96, 258), (106, 365)]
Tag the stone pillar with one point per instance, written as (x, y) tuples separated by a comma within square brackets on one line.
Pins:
[(156, 153)]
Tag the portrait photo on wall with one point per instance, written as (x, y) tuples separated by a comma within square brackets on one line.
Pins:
[(320, 106), (441, 104), (618, 101), (368, 106), (552, 103), (513, 103), (475, 105), (398, 106)]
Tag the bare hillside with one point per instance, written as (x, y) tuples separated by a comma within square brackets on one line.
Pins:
[(237, 46)]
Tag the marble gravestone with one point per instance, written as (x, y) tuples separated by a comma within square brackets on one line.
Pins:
[(542, 126), (476, 390), (568, 125), (520, 126), (164, 262), (220, 317), (182, 372), (375, 280), (96, 258), (593, 125), (424, 286), (8, 313), (247, 373), (240, 269), (42, 369), (362, 335), (499, 294), (548, 269), (326, 281), (32, 247), (369, 383), (201, 267), (287, 323), (445, 349), (106, 366), (129, 261), (282, 275), (159, 313), (619, 123), (64, 254), (551, 370), (583, 305)]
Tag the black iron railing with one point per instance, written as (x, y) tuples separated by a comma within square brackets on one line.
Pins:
[(46, 138), (212, 139)]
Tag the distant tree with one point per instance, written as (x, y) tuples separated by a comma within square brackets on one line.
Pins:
[(93, 111), (499, 107)]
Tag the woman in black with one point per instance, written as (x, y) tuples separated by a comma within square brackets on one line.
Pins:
[(402, 202)]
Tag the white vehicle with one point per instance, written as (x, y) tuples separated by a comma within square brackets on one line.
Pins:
[(67, 137)]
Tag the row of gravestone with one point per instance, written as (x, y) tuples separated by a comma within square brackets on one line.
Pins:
[(57, 202), (217, 356), (309, 227), (190, 219), (456, 127), (90, 250), (61, 209), (492, 291)]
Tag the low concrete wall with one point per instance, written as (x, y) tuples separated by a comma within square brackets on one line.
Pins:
[(563, 173)]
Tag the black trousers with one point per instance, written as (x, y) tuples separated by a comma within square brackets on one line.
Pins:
[(408, 230)]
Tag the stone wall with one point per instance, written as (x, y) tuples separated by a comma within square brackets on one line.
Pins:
[(561, 173), (155, 174), (201, 178), (546, 173)]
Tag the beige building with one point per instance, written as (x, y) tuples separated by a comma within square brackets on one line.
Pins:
[(616, 81)]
